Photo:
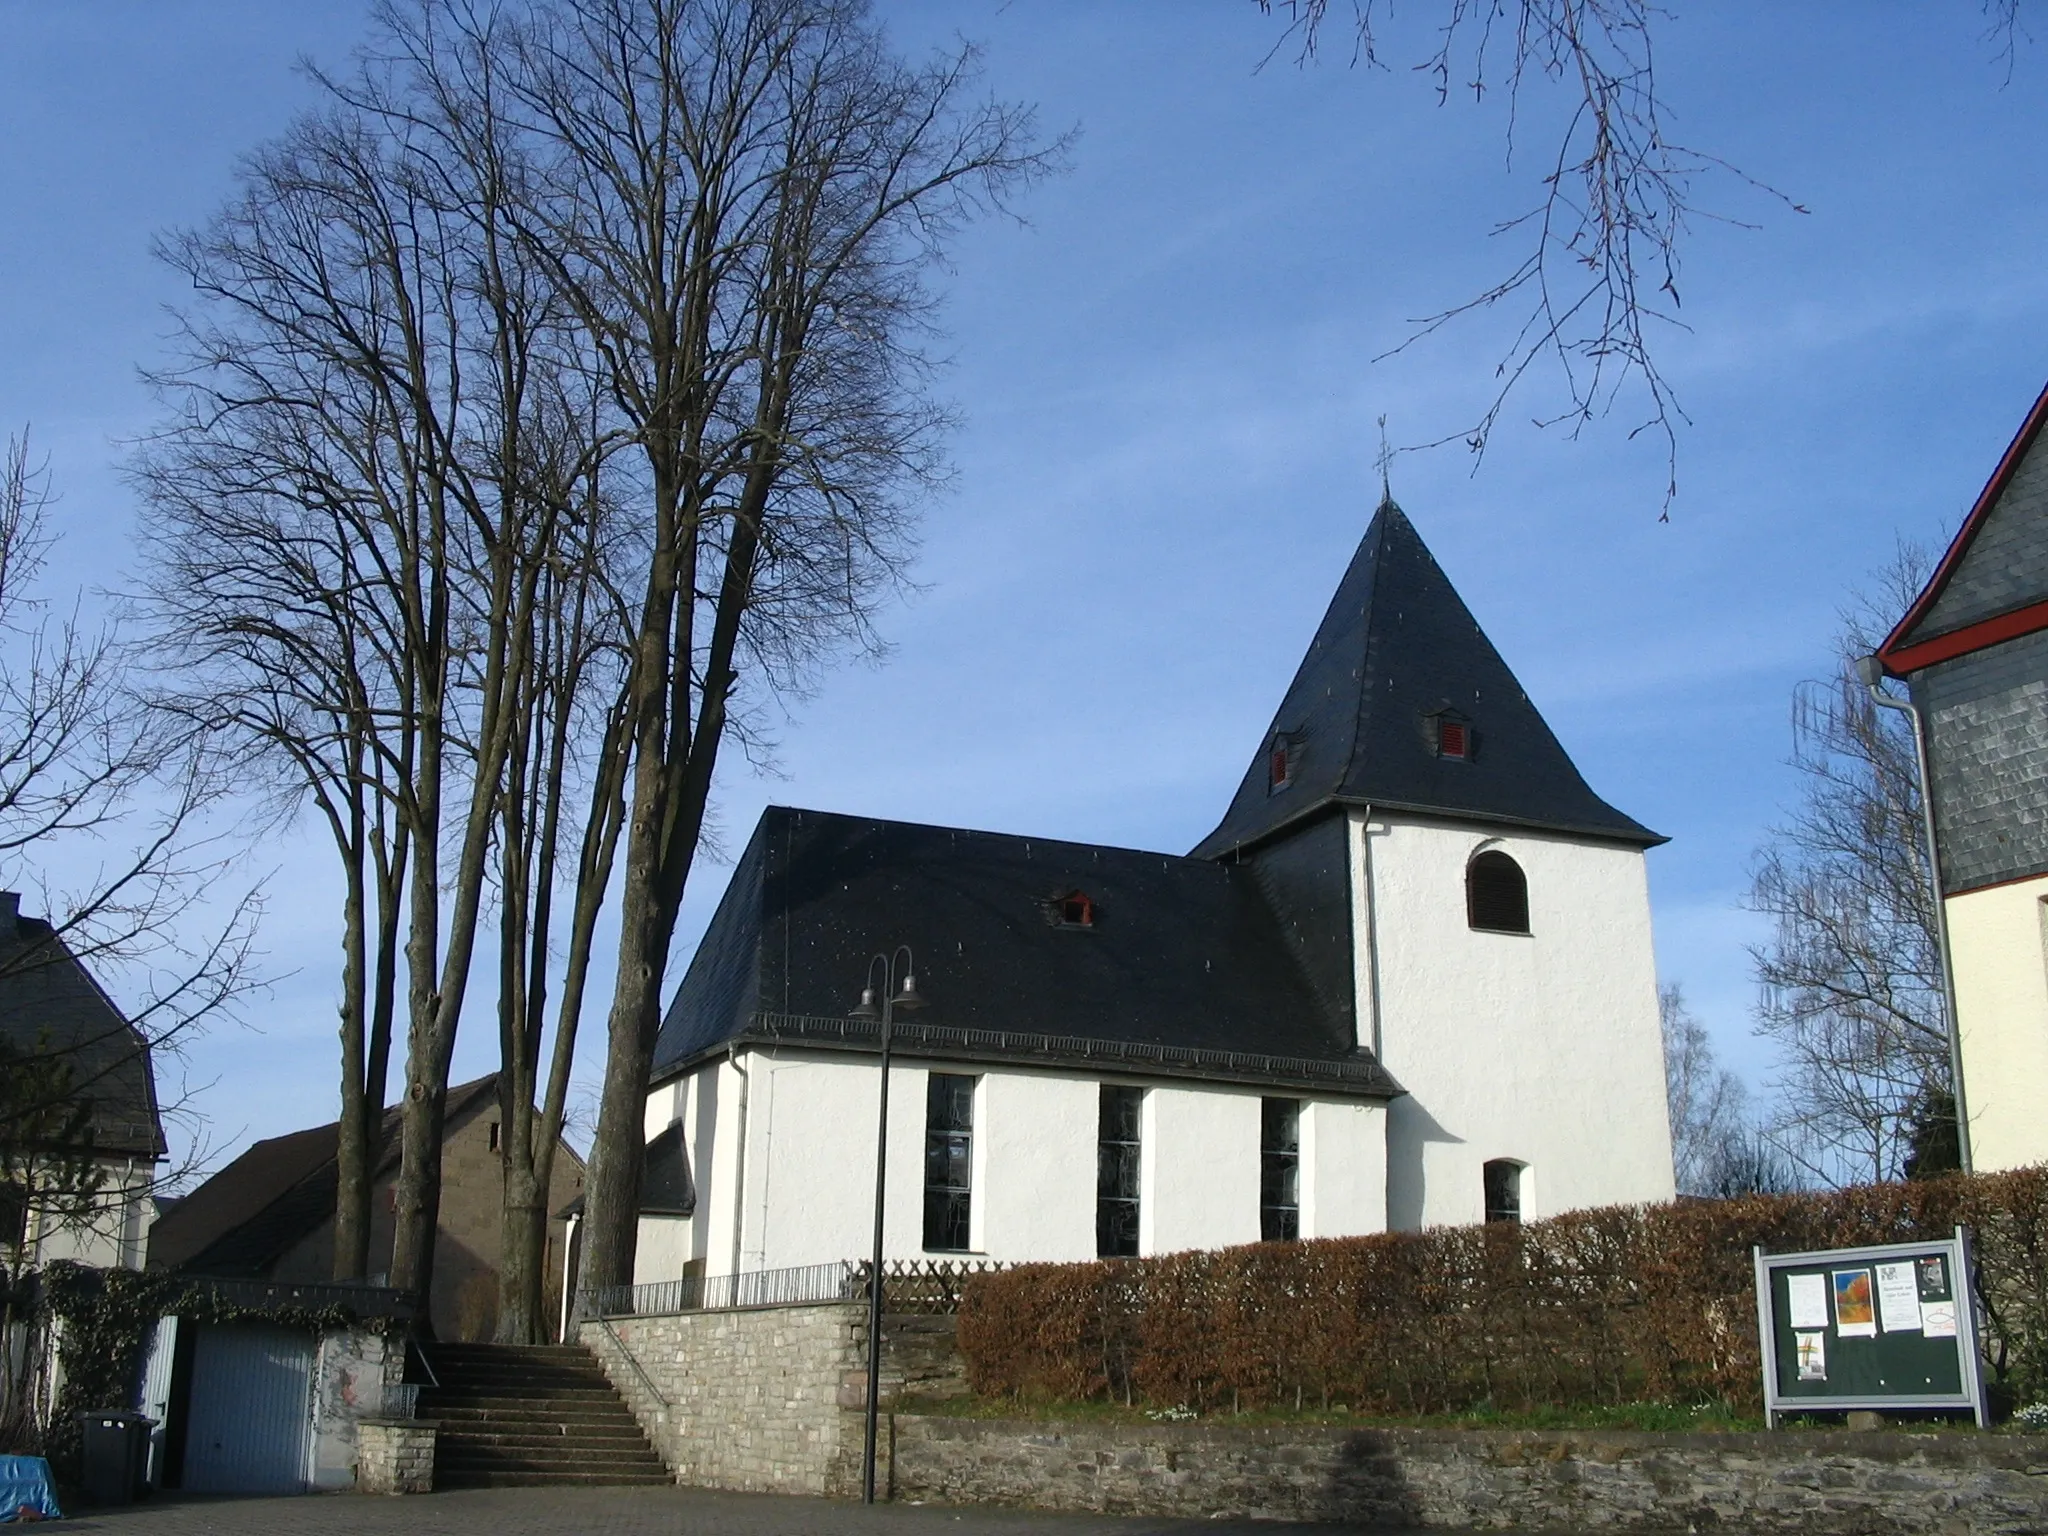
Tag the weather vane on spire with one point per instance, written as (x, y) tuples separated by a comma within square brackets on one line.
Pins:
[(1386, 462)]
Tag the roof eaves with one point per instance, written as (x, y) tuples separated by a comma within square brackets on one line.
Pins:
[(1643, 838), (1360, 1077), (1895, 642)]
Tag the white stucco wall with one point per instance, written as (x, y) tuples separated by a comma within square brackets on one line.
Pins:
[(112, 1234), (798, 1186), (1199, 1168), (1543, 1048), (2000, 952), (1034, 1166), (663, 1248), (1343, 1169)]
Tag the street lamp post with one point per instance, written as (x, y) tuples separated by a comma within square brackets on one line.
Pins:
[(895, 993), (1871, 671)]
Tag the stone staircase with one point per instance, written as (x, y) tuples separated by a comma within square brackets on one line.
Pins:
[(524, 1414)]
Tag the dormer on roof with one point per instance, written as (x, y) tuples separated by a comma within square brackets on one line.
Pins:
[(1402, 703)]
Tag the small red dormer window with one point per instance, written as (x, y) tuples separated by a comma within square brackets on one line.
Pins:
[(1279, 765), (1451, 739), (1077, 911)]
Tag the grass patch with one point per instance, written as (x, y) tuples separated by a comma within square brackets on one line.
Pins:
[(1655, 1417)]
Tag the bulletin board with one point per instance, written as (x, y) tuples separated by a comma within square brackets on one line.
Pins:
[(1886, 1327)]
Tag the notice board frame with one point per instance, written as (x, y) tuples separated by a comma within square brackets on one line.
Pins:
[(1962, 1280)]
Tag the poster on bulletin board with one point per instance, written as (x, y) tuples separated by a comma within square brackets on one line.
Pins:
[(1877, 1328)]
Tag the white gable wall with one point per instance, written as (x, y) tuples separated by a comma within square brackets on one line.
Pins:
[(1543, 1048)]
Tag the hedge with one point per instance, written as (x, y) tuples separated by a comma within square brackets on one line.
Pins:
[(1632, 1304)]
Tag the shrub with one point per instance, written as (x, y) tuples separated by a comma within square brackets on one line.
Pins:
[(1632, 1304)]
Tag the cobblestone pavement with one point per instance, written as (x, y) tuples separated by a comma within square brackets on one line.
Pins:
[(601, 1512)]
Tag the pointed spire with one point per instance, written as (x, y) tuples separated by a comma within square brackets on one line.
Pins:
[(1386, 465), (1403, 703)]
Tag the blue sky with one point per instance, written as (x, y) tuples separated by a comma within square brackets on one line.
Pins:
[(1168, 391)]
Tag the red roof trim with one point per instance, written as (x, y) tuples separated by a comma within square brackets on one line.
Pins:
[(1971, 637), (1894, 653)]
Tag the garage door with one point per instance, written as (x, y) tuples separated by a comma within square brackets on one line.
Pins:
[(251, 1413)]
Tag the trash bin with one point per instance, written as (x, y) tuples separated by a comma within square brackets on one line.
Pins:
[(116, 1454)]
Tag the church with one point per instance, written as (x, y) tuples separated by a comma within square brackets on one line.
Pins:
[(1406, 981)]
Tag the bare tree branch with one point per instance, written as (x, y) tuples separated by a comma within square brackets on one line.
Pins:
[(1850, 980), (1597, 277)]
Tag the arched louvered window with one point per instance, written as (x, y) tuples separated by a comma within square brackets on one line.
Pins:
[(1503, 1179), (1496, 894)]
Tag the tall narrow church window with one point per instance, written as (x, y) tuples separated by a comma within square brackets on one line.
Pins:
[(1496, 894), (1116, 1172), (1279, 1170), (948, 1162), (1503, 1190)]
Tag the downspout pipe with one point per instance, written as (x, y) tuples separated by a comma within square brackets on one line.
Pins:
[(1870, 670), (739, 1172), (1372, 936)]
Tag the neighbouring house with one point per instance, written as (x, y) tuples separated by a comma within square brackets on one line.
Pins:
[(81, 1137), (1973, 649), (1407, 980), (269, 1214)]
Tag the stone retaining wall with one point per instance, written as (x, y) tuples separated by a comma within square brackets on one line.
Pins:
[(1797, 1481), (768, 1399), (394, 1456)]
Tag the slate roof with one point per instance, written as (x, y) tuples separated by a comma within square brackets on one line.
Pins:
[(1995, 568), (1184, 971), (249, 1215), (1397, 646), (50, 1005)]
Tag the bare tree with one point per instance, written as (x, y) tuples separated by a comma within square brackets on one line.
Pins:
[(105, 811), (355, 514), (1850, 979), (104, 803), (1717, 1146), (1704, 1099), (562, 387), (745, 197)]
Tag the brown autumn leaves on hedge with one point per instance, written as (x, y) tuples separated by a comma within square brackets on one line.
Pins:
[(1630, 1304)]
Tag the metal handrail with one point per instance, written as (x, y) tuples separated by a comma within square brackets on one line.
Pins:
[(809, 1283), (633, 1360), (915, 1285)]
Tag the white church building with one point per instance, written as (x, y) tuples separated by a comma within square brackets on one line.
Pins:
[(1406, 981)]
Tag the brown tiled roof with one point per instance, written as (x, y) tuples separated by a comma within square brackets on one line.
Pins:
[(244, 1218)]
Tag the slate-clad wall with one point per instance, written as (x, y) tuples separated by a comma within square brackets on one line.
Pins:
[(2007, 563), (1306, 880), (1987, 726)]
